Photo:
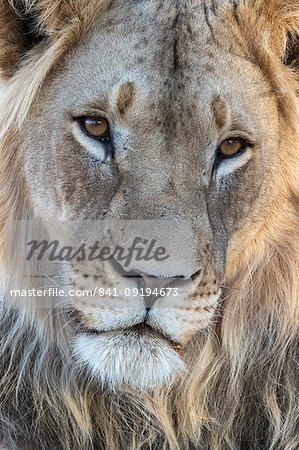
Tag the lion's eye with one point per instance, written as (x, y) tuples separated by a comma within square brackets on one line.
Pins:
[(231, 147), (96, 127)]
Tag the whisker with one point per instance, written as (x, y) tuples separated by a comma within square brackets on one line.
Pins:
[(231, 288)]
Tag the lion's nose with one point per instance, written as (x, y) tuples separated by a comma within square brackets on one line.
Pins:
[(152, 288)]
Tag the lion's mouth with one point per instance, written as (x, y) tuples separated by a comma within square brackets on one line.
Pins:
[(141, 329)]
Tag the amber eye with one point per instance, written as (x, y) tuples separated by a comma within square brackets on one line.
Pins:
[(96, 127), (231, 147)]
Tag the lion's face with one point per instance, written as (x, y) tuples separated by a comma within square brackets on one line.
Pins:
[(158, 114)]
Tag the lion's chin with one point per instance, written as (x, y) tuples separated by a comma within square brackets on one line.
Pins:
[(126, 359)]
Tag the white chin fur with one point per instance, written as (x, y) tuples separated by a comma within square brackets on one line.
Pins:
[(127, 359)]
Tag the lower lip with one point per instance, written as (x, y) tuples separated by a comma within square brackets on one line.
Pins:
[(141, 330)]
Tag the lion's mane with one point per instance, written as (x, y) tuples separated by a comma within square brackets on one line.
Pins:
[(243, 375)]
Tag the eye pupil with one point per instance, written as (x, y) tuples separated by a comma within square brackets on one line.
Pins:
[(96, 127)]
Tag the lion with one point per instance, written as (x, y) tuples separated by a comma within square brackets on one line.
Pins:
[(172, 124)]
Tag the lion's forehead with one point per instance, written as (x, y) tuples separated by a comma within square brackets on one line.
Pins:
[(176, 56), (170, 40)]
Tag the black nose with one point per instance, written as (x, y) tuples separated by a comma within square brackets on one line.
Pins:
[(154, 285)]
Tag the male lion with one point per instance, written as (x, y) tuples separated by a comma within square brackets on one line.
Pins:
[(179, 119)]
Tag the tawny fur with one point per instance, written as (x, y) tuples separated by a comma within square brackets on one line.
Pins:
[(254, 355)]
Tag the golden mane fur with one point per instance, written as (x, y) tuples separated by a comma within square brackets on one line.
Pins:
[(243, 375)]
